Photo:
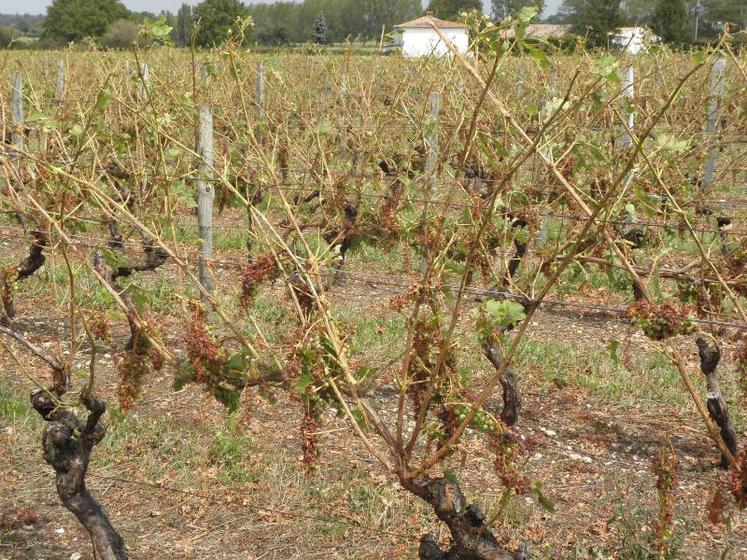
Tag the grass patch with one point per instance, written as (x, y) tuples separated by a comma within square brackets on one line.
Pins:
[(13, 408), (228, 450), (654, 380), (363, 254)]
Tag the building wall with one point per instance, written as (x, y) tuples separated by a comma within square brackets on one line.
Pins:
[(633, 41), (422, 42)]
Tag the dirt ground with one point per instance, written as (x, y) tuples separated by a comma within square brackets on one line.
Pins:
[(182, 482)]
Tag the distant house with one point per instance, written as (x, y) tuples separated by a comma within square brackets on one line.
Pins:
[(542, 31), (420, 39), (633, 40)]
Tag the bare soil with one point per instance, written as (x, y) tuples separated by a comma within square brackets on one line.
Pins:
[(174, 495)]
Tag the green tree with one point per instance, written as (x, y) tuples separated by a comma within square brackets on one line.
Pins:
[(670, 22), (637, 12), (72, 20), (719, 12), (273, 23), (216, 19), (120, 35), (595, 19), (182, 33), (321, 28), (7, 36), (450, 9), (501, 9), (387, 14), (287, 21)]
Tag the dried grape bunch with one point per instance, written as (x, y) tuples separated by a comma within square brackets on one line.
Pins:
[(659, 322), (738, 480), (263, 268), (507, 448), (132, 367), (209, 364)]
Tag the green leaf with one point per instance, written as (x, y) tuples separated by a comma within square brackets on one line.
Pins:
[(305, 379), (504, 313), (158, 30), (102, 101), (539, 55), (454, 267), (606, 66), (113, 259), (237, 362), (324, 128), (525, 15), (365, 372)]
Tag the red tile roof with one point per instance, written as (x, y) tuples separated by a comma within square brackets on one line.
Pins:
[(425, 23), (542, 30)]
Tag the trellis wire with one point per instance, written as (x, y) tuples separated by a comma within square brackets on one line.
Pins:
[(376, 279)]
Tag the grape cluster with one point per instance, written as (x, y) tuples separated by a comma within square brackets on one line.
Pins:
[(482, 422)]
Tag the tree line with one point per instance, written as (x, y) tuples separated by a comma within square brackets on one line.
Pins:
[(111, 24), (677, 22)]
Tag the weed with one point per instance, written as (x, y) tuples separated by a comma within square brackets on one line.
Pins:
[(12, 408), (228, 451)]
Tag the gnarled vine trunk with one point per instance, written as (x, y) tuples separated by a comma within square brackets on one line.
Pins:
[(710, 355), (67, 442), (33, 262), (511, 396), (471, 539)]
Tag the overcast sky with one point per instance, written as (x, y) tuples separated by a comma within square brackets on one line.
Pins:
[(40, 6)]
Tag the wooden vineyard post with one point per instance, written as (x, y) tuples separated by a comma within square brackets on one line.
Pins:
[(260, 93), (59, 92), (430, 177), (143, 93), (626, 109), (431, 164), (519, 86), (17, 118), (259, 100), (126, 78), (205, 196), (541, 239), (716, 88)]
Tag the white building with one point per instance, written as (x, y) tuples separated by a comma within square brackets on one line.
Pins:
[(420, 39), (633, 40)]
